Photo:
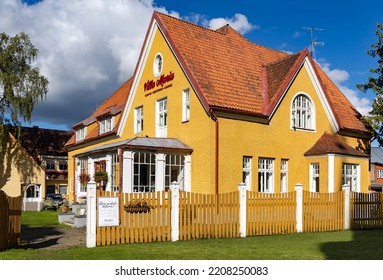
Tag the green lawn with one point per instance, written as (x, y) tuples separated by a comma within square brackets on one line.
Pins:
[(339, 245)]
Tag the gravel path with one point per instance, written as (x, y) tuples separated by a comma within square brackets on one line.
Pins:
[(57, 237)]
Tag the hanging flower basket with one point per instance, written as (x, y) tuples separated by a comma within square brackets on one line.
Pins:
[(138, 207), (84, 179), (101, 177)]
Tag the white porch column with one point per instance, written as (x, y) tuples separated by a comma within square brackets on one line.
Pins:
[(108, 163), (331, 175), (91, 214), (242, 209), (346, 195), (127, 171), (187, 173), (299, 210), (91, 168), (175, 213), (160, 172)]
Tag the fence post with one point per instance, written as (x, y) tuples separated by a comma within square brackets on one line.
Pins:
[(346, 192), (91, 214), (299, 209), (242, 209), (175, 213)]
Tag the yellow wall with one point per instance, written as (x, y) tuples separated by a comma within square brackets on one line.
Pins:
[(19, 169), (198, 132), (278, 141)]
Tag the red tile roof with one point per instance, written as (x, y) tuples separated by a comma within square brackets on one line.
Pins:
[(232, 73), (112, 106), (329, 144)]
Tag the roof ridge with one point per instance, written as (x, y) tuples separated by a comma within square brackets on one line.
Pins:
[(217, 31)]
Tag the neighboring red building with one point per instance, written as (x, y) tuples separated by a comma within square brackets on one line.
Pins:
[(376, 169)]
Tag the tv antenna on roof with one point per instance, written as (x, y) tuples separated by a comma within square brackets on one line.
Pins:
[(313, 41)]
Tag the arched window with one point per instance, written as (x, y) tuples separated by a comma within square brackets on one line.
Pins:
[(302, 113)]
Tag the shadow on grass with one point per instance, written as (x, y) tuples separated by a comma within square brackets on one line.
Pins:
[(39, 237), (365, 245)]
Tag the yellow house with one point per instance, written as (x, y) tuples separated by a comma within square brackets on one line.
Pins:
[(34, 165), (209, 109)]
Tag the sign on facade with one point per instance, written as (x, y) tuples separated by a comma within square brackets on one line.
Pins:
[(108, 214)]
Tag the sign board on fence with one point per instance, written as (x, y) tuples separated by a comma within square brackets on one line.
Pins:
[(108, 212)]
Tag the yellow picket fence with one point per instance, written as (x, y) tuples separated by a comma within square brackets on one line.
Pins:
[(366, 210), (138, 226), (270, 213), (323, 211), (208, 215), (217, 216)]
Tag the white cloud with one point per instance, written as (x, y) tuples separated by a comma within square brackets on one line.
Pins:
[(340, 77), (87, 49), (239, 22)]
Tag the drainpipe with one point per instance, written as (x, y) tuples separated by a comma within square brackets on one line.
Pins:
[(120, 170), (215, 119)]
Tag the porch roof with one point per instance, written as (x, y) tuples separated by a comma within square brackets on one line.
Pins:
[(143, 143)]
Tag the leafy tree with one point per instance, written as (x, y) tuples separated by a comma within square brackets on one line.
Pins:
[(21, 85), (375, 83)]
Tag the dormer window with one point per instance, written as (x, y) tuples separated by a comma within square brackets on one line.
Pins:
[(302, 113), (106, 125), (80, 133)]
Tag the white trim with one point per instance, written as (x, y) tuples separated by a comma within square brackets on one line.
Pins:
[(313, 114), (331, 173), (318, 89), (322, 96), (141, 65), (137, 77)]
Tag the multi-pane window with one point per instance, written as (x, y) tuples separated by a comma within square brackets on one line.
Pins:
[(80, 134), (185, 105), (314, 177), (50, 164), (144, 174), (162, 117), (106, 125), (63, 165), (83, 170), (246, 171), (139, 119), (174, 170), (379, 174), (266, 175), (284, 175), (302, 113), (115, 173), (350, 176)]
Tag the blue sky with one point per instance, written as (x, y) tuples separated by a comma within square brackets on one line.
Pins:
[(89, 48)]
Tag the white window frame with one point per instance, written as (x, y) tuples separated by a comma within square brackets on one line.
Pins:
[(314, 177), (81, 133), (379, 173), (284, 175), (141, 159), (83, 170), (106, 125), (50, 164), (302, 113), (266, 175), (161, 117), (246, 171), (139, 119), (185, 105), (351, 176), (114, 172), (174, 164)]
